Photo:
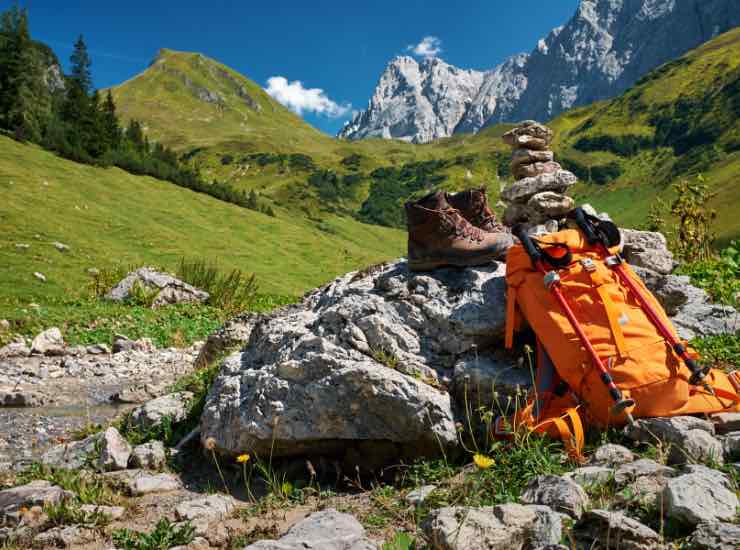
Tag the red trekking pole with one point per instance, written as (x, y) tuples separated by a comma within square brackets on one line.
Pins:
[(595, 236), (539, 259)]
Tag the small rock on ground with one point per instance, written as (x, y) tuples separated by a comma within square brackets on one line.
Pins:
[(716, 536), (642, 467), (149, 456), (115, 451), (700, 496), (615, 530), (419, 495), (561, 494), (611, 454), (327, 529), (208, 508)]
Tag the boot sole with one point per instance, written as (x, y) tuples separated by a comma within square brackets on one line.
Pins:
[(429, 265)]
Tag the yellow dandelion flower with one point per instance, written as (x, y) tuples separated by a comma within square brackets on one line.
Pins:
[(241, 459), (482, 461)]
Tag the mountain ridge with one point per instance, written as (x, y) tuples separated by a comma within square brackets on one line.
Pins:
[(602, 50)]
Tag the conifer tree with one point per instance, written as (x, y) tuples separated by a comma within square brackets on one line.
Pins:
[(81, 66), (111, 129)]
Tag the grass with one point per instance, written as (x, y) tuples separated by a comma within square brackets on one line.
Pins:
[(165, 535), (108, 217), (87, 487), (676, 121)]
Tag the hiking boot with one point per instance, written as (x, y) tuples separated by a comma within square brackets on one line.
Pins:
[(440, 236), (473, 205)]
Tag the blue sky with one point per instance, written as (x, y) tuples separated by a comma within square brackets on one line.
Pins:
[(340, 47)]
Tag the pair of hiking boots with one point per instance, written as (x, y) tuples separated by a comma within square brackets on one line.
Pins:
[(454, 229)]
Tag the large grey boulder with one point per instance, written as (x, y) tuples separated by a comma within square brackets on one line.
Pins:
[(326, 530), (702, 495), (615, 530), (559, 493), (48, 342), (359, 361), (502, 527), (165, 288), (691, 309)]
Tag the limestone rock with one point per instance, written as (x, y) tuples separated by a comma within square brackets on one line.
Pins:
[(647, 249), (328, 529), (526, 142), (639, 468), (690, 438), (15, 349), (489, 379), (697, 497), (61, 247), (547, 205), (611, 454), (74, 454), (520, 171), (503, 527), (34, 493), (67, 536), (417, 496), (206, 509), (49, 342), (19, 397), (521, 157), (169, 290), (143, 483), (560, 493), (115, 451), (522, 190), (98, 349), (232, 334), (716, 536), (692, 311), (615, 530), (149, 456), (122, 343), (731, 445), (726, 422), (113, 512), (645, 490), (529, 128), (590, 475), (313, 371), (174, 406)]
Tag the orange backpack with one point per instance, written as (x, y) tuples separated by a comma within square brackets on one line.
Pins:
[(639, 360)]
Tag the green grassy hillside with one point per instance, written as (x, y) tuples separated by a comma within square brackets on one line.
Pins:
[(108, 217), (676, 122)]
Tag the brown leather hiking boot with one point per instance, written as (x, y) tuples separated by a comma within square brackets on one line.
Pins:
[(440, 236), (473, 205)]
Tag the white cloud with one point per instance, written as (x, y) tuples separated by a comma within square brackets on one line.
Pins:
[(429, 46), (299, 99)]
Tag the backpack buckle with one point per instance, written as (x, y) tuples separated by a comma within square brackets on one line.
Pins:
[(612, 261), (588, 264), (551, 278)]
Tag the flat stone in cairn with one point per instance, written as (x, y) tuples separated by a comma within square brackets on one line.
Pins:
[(536, 198)]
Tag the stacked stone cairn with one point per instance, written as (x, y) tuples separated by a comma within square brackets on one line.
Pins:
[(536, 199)]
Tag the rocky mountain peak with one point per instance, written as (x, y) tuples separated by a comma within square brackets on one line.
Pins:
[(602, 50)]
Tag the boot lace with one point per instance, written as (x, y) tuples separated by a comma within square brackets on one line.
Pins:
[(452, 222)]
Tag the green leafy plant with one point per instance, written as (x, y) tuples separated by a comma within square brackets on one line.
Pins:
[(164, 536), (719, 276), (694, 233), (400, 541), (231, 292), (87, 487)]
